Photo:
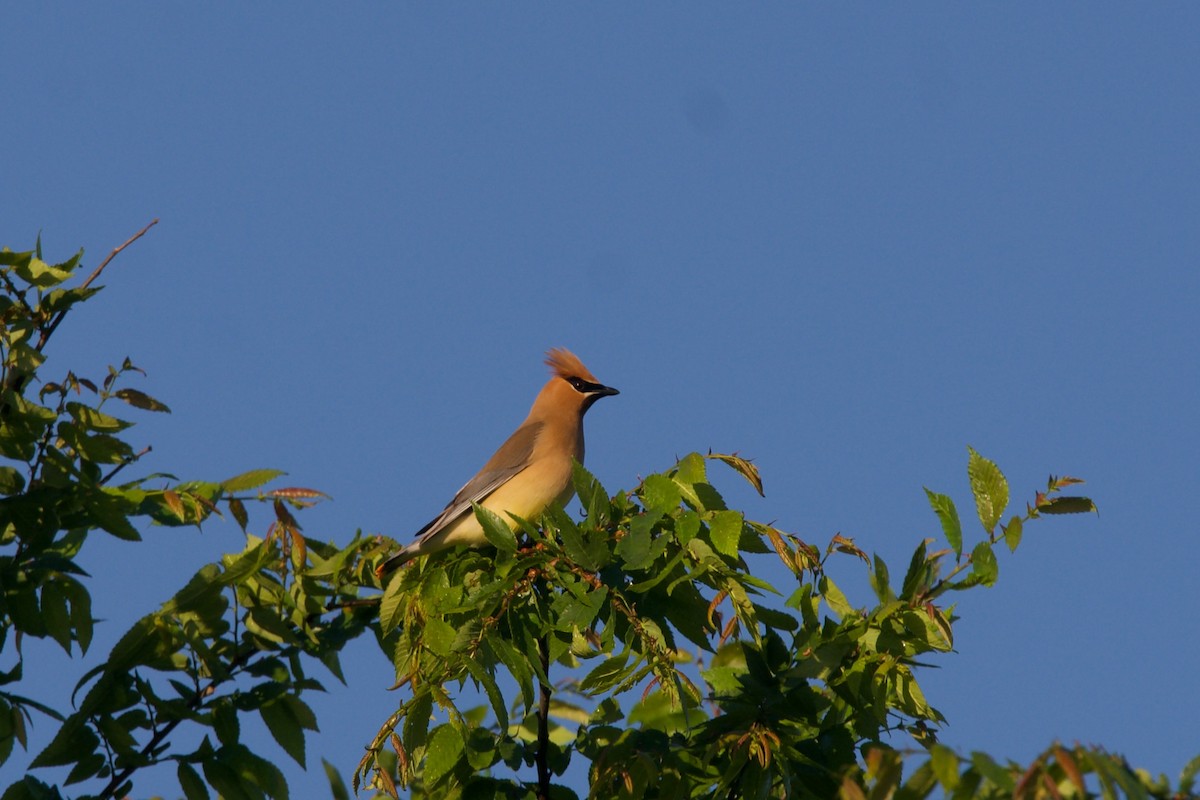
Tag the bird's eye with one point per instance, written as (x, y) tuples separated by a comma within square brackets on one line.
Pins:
[(579, 384)]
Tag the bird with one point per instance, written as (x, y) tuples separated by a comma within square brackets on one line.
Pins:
[(531, 470)]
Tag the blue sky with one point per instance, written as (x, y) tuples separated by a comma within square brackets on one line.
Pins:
[(845, 241)]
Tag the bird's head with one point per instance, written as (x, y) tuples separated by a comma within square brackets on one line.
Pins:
[(573, 385)]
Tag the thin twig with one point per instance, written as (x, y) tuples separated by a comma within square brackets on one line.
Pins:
[(197, 700), (48, 331), (125, 464)]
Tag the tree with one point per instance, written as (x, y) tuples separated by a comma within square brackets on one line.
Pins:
[(636, 639)]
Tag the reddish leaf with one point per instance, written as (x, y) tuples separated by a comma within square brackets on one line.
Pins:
[(174, 502), (238, 509)]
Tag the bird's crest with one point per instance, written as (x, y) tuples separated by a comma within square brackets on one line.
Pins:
[(566, 365)]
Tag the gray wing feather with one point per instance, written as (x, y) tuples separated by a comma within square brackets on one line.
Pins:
[(512, 457)]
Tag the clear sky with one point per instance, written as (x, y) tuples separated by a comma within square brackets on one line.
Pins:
[(845, 241)]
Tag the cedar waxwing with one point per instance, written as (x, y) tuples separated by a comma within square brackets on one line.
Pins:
[(529, 472)]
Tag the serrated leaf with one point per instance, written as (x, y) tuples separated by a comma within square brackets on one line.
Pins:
[(251, 480), (416, 722), (284, 728), (725, 529), (443, 753), (498, 534), (660, 493), (743, 467), (485, 679), (578, 549), (605, 675), (634, 548), (947, 514), (439, 636), (990, 488)]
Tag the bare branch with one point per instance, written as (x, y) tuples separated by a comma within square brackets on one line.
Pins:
[(48, 331)]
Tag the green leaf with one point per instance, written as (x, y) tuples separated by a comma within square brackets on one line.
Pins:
[(687, 526), (60, 300), (284, 728), (836, 600), (587, 548), (93, 420), (392, 604), (605, 675), (1012, 533), (498, 534), (990, 488), (416, 722), (881, 581), (251, 480), (1067, 505), (579, 612), (439, 636), (634, 548), (40, 274), (337, 787), (226, 723), (660, 493), (141, 400), (11, 481), (725, 529), (688, 474), (444, 751), (947, 514), (190, 781), (919, 572), (944, 763), (508, 655), (983, 564), (1187, 778), (55, 615), (484, 678), (995, 773), (73, 741), (81, 611), (591, 494)]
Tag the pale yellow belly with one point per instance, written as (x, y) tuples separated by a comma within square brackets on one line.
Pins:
[(526, 495)]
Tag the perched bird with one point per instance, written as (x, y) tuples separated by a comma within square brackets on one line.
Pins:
[(529, 472)]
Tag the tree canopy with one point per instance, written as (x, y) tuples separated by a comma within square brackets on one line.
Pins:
[(636, 640)]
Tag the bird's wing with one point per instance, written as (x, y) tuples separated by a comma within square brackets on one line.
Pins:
[(509, 460)]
